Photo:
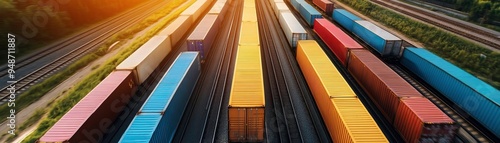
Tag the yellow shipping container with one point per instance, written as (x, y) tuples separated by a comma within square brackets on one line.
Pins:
[(249, 14), (321, 75), (249, 34), (248, 3), (352, 123), (247, 88)]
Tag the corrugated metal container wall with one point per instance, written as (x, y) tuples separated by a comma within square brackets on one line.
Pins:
[(203, 36), (382, 41), (325, 5), (309, 13), (280, 7), (168, 100), (196, 9), (419, 120), (292, 28), (101, 105), (246, 124), (351, 122), (338, 41), (250, 31), (468, 92), (176, 85), (177, 29), (384, 86), (345, 18), (145, 59), (320, 73)]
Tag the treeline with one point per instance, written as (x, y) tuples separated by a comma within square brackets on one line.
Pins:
[(477, 60), (39, 21), (482, 11)]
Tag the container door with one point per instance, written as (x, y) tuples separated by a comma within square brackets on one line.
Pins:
[(237, 131), (255, 124)]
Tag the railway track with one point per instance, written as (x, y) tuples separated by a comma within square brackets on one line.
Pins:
[(291, 113), (469, 31), (59, 63), (473, 131)]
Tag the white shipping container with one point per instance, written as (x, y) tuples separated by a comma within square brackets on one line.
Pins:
[(145, 59), (384, 42), (292, 28), (195, 9), (177, 29), (280, 7)]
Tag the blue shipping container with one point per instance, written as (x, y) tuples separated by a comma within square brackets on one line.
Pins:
[(345, 18), (296, 3), (476, 97), (309, 13), (382, 41), (168, 100)]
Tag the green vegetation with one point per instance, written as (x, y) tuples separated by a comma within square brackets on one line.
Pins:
[(36, 22), (475, 59), (75, 94)]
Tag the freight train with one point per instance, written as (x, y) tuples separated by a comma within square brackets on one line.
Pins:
[(91, 117), (247, 99)]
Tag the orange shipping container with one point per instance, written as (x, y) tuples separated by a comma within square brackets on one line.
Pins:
[(246, 124)]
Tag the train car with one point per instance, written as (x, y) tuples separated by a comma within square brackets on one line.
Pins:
[(158, 118), (325, 5), (145, 59), (345, 18), (196, 9), (177, 29), (382, 41), (477, 98), (292, 28), (203, 36), (246, 101), (345, 116), (279, 8), (339, 42), (384, 86), (219, 8), (419, 120), (95, 112), (309, 13)]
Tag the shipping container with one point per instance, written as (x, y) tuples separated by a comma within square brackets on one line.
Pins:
[(345, 18), (296, 4), (339, 42), (250, 32), (246, 102), (249, 14), (95, 112), (177, 29), (325, 5), (203, 36), (158, 118), (147, 57), (419, 120), (292, 28), (321, 75), (382, 41), (351, 122), (219, 8), (309, 13), (175, 86), (279, 8), (249, 3), (196, 9), (384, 86), (465, 90)]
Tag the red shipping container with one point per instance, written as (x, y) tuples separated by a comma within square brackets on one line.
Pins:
[(338, 41), (419, 120), (90, 118), (325, 5), (384, 86)]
